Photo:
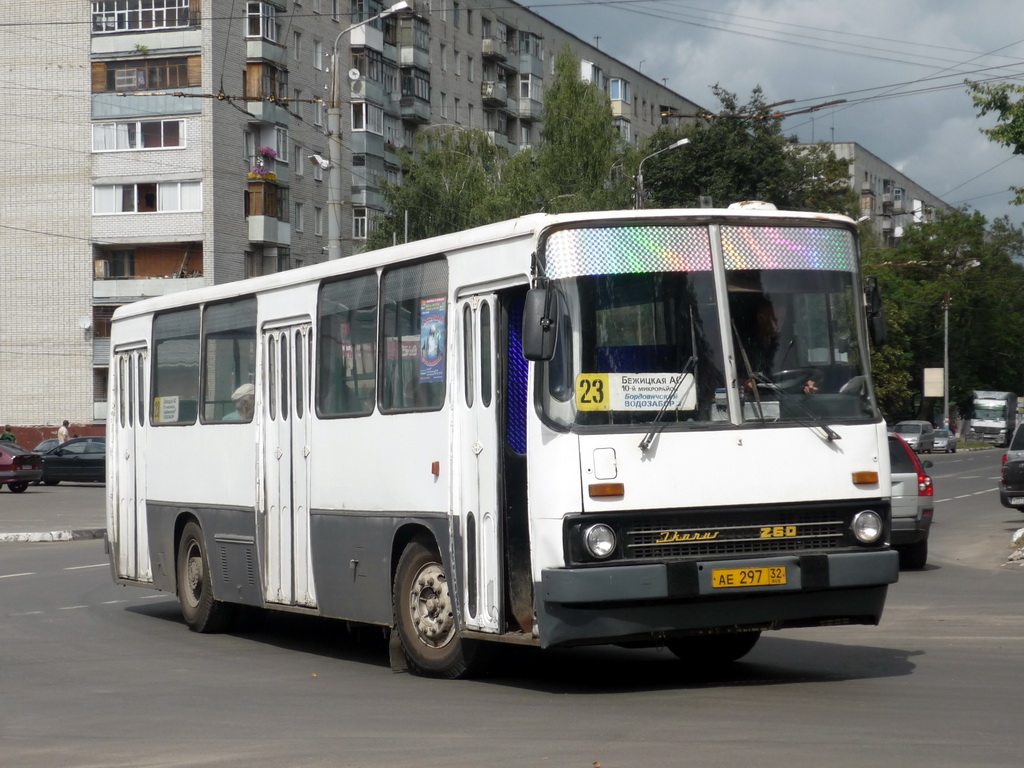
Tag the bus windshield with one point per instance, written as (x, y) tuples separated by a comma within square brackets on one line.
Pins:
[(638, 345)]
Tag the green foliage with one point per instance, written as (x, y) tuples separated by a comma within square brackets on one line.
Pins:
[(1007, 102), (740, 154), (976, 267)]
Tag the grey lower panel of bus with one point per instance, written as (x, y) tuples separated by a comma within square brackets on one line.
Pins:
[(618, 604), (351, 555)]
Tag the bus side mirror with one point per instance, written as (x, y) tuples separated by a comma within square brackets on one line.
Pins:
[(540, 324), (878, 329)]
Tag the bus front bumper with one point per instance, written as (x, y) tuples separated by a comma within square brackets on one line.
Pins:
[(627, 603)]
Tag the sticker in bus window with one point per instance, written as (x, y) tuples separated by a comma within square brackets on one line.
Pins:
[(432, 332), (165, 409), (635, 391)]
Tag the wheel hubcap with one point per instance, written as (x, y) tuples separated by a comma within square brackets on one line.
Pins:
[(430, 607), (194, 574)]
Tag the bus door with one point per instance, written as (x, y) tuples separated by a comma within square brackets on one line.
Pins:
[(286, 416), (128, 457), (478, 453)]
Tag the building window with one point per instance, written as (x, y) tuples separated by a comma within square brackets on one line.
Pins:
[(416, 82), (469, 68), (281, 140), (444, 105), (318, 113), (619, 90), (485, 28), (318, 221), (525, 135), (318, 170), (458, 63), (455, 15), (360, 221), (124, 15), (531, 45), (367, 117), (300, 158), (144, 134), (147, 198), (622, 126), (444, 57), (318, 55), (140, 75), (297, 45), (456, 115), (297, 221), (265, 81), (369, 62), (262, 18)]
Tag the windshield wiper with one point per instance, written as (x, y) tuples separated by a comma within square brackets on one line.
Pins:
[(831, 434), (658, 425)]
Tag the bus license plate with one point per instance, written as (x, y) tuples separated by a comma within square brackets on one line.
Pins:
[(724, 578)]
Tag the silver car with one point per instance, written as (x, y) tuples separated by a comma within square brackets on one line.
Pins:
[(945, 441), (913, 504)]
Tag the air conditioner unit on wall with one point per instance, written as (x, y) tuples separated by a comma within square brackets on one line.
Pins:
[(358, 88), (102, 269)]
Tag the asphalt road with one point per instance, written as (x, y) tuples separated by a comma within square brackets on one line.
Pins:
[(99, 675)]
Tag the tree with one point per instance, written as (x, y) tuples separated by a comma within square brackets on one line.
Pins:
[(740, 154), (1007, 102), (449, 184), (974, 266)]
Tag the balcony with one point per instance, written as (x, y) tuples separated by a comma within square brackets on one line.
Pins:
[(125, 290), (494, 93), (415, 110), (530, 109), (498, 139), (494, 49)]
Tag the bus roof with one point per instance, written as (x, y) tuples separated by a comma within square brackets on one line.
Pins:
[(524, 227)]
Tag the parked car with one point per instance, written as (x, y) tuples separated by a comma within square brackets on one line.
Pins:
[(18, 467), (81, 459), (945, 441), (1011, 481), (920, 435), (47, 444), (913, 503)]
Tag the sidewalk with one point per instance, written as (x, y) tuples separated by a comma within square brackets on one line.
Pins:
[(65, 512)]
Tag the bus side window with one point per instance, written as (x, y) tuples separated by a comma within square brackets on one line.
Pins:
[(415, 353), (229, 357), (176, 367), (346, 373)]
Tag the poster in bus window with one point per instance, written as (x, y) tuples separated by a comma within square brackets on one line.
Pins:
[(432, 332)]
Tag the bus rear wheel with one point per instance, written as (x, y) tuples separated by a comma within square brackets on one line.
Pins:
[(201, 611), (424, 615), (714, 649)]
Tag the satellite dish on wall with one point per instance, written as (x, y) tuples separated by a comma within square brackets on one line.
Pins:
[(354, 74), (85, 323)]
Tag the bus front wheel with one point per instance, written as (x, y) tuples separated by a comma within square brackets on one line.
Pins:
[(201, 611), (424, 615), (714, 649)]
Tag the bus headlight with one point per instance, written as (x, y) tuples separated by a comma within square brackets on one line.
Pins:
[(867, 526), (599, 541)]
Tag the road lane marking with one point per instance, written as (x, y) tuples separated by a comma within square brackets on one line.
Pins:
[(113, 602), (83, 567), (71, 607), (13, 575)]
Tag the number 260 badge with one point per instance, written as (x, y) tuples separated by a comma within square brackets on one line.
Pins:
[(592, 392)]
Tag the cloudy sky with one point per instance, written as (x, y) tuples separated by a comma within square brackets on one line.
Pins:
[(900, 66)]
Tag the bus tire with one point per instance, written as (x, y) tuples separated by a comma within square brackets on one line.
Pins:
[(424, 615), (714, 649), (202, 613)]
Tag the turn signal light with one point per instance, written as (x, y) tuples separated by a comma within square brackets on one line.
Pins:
[(865, 478), (606, 490)]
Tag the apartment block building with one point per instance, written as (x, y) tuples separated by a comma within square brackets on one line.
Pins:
[(159, 145), (889, 198)]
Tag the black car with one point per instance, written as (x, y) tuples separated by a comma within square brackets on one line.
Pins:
[(82, 459), (1011, 481)]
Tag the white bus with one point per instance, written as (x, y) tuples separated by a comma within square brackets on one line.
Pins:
[(648, 428)]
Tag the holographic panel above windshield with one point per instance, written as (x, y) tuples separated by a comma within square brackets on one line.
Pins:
[(788, 248), (612, 250), (627, 250)]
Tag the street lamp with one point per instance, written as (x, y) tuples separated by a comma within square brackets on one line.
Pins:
[(638, 201), (334, 212)]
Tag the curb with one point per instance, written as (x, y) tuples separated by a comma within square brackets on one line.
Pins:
[(76, 535)]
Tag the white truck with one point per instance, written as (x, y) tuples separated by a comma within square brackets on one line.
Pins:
[(993, 417)]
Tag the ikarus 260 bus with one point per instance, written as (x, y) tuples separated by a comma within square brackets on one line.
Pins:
[(649, 428)]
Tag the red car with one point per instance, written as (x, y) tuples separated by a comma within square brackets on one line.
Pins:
[(18, 466)]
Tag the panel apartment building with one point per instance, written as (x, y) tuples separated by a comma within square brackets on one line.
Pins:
[(153, 146)]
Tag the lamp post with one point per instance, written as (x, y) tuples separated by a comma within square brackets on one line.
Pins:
[(638, 199), (334, 206)]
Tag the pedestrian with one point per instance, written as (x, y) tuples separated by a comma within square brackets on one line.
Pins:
[(62, 433), (8, 435)]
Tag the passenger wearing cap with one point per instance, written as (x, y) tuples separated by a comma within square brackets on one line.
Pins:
[(245, 403)]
